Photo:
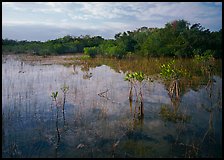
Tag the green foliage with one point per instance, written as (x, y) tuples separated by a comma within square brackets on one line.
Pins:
[(133, 78), (138, 76), (205, 61), (54, 95), (206, 56), (178, 38), (64, 88), (116, 51), (91, 51), (169, 71)]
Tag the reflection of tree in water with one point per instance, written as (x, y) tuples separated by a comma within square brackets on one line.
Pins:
[(58, 134), (205, 144), (137, 120), (208, 141), (207, 67), (210, 132), (85, 68), (173, 114), (74, 69), (87, 75)]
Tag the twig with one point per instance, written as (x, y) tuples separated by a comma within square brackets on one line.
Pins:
[(102, 94)]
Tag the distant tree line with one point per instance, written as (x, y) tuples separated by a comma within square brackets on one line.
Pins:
[(178, 38)]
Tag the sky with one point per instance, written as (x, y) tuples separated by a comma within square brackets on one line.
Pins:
[(42, 21)]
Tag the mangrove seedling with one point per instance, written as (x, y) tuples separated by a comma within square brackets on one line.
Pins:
[(54, 95), (64, 90), (206, 64), (130, 78), (136, 79), (170, 72)]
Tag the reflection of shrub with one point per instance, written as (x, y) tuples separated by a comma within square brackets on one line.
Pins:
[(169, 115)]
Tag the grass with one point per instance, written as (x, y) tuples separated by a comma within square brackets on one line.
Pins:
[(151, 68)]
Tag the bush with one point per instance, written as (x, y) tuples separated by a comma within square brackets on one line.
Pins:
[(91, 51), (116, 51)]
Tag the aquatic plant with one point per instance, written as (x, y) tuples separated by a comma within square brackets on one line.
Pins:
[(170, 72), (54, 95), (173, 74), (206, 56), (206, 64), (136, 79), (130, 78), (64, 90)]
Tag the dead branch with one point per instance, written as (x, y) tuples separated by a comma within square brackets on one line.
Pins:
[(104, 94)]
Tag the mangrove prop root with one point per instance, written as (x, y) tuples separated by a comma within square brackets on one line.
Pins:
[(174, 89), (130, 94)]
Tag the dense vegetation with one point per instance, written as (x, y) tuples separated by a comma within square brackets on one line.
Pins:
[(177, 38)]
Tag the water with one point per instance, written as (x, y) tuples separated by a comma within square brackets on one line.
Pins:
[(102, 126)]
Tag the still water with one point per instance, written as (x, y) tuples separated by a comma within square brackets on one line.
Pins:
[(98, 118)]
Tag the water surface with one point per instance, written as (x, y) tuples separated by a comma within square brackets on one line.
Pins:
[(102, 126)]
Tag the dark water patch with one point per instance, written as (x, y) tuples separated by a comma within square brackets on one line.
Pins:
[(138, 135), (169, 138)]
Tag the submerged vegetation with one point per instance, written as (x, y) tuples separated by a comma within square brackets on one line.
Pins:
[(178, 38)]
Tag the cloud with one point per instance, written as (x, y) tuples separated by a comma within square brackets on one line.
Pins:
[(104, 17), (43, 33), (218, 3)]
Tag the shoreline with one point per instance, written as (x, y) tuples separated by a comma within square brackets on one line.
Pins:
[(43, 60)]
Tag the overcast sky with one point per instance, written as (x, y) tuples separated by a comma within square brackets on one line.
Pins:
[(50, 20)]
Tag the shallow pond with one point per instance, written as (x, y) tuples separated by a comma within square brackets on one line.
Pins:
[(98, 118)]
